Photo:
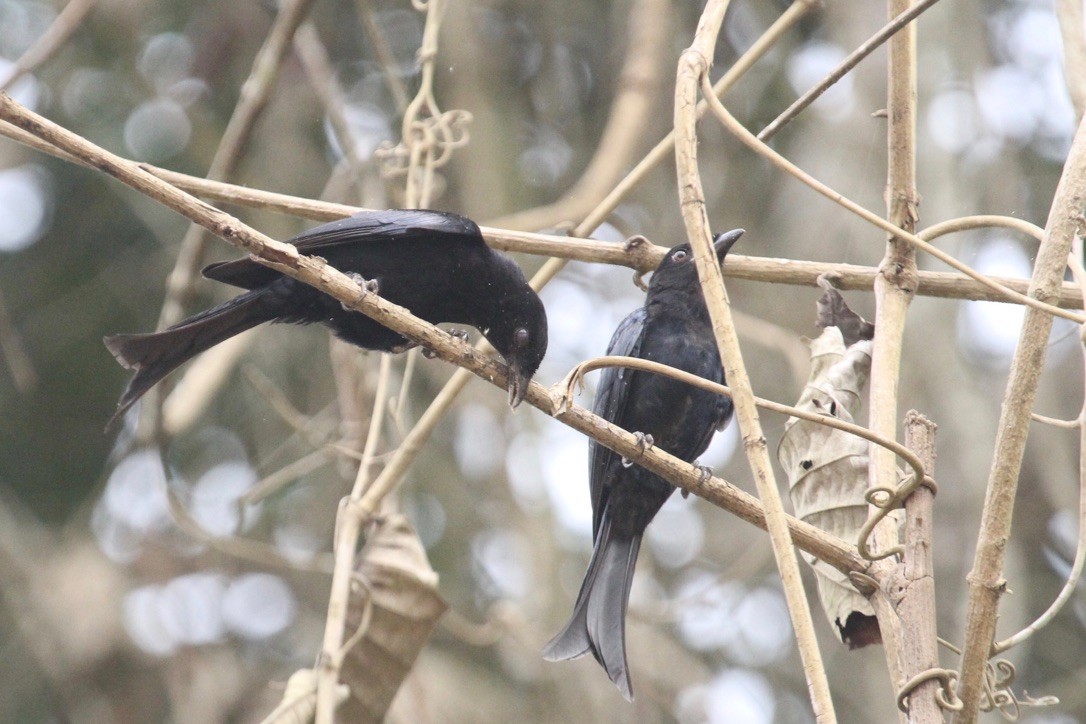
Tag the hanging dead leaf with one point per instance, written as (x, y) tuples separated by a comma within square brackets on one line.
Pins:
[(827, 468), (394, 607)]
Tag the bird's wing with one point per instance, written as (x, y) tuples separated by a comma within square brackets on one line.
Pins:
[(610, 403), (391, 225)]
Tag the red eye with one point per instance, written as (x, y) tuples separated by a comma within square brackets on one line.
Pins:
[(520, 337), (680, 255)]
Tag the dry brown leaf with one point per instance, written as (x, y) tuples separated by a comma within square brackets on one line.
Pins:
[(394, 607), (827, 473)]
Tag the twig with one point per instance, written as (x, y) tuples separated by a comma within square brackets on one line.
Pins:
[(781, 162), (693, 67), (851, 61), (67, 22), (986, 583)]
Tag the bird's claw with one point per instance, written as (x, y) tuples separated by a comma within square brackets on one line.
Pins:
[(704, 473), (644, 442), (460, 334), (369, 286)]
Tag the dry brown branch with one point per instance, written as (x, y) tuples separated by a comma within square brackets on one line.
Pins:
[(894, 288), (693, 67), (851, 61), (986, 583), (916, 606), (1074, 261)]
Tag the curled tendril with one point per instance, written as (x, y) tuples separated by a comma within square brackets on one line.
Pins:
[(886, 500), (945, 695)]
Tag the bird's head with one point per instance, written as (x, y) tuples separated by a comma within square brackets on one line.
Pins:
[(677, 271), (520, 335)]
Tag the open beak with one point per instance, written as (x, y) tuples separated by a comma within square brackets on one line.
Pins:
[(517, 385), (722, 243)]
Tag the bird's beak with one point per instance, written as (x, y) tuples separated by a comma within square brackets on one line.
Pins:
[(722, 243), (517, 385)]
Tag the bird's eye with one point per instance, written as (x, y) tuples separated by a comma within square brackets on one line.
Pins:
[(520, 337), (680, 255)]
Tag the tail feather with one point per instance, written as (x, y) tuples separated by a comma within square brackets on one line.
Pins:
[(157, 354), (598, 624)]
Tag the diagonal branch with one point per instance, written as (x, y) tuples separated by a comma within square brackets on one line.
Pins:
[(693, 67), (986, 583)]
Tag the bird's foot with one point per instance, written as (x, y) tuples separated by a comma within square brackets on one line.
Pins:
[(369, 286), (644, 442), (704, 473), (460, 334)]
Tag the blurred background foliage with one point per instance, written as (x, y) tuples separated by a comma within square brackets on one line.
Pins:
[(109, 612)]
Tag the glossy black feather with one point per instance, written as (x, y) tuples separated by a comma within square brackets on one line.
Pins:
[(435, 264), (672, 328)]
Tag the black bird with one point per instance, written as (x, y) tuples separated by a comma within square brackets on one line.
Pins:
[(434, 264), (672, 328)]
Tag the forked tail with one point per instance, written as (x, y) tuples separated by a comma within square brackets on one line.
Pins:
[(598, 624), (157, 354)]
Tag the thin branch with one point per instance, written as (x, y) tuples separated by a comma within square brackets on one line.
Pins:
[(781, 162), (986, 583), (693, 67), (851, 61)]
